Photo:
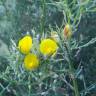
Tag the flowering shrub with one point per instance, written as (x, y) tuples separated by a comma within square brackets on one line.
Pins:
[(45, 58)]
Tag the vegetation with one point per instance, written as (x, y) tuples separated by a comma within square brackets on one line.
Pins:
[(47, 47)]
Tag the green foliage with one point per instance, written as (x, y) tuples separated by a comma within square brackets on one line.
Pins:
[(72, 71)]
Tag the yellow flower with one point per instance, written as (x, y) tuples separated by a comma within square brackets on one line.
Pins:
[(48, 47), (67, 31), (31, 61), (25, 44)]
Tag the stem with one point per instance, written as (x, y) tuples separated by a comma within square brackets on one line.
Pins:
[(74, 80), (71, 68), (29, 85), (43, 16)]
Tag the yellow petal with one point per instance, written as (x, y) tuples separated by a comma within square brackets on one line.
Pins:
[(31, 62), (25, 44), (48, 46)]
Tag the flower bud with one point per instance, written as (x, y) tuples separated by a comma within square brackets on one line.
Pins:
[(67, 31)]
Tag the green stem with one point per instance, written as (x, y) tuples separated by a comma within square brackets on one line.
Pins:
[(29, 85), (71, 68), (43, 16), (74, 80)]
